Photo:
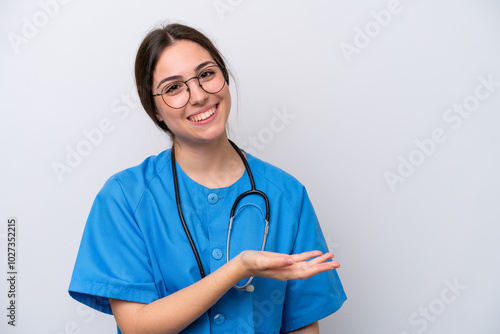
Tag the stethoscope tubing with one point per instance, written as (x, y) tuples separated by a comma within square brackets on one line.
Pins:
[(229, 228), (181, 214), (252, 191)]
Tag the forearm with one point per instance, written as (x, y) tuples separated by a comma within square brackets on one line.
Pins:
[(175, 312)]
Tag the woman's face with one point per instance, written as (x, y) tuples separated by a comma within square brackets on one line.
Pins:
[(203, 119)]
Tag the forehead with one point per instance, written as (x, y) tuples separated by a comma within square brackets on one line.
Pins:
[(181, 58)]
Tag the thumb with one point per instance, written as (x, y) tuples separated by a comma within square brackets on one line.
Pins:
[(281, 261), (271, 260)]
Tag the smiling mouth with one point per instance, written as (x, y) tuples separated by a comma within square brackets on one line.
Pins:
[(203, 116)]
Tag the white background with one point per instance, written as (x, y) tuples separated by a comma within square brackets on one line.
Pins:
[(353, 118)]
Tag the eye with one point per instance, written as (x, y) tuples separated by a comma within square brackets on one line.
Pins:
[(172, 88), (207, 74)]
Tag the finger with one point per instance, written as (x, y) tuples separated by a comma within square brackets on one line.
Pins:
[(335, 264), (320, 259), (310, 271), (306, 255), (273, 261), (324, 267)]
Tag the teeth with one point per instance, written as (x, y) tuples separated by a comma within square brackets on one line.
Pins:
[(203, 116)]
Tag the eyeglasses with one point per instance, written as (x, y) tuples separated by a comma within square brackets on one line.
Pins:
[(177, 94)]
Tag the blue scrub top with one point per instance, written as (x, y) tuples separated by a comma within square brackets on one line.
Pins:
[(134, 246)]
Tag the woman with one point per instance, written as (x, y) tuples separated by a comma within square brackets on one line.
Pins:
[(156, 252)]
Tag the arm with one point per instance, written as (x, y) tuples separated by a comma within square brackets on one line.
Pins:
[(309, 329), (175, 312)]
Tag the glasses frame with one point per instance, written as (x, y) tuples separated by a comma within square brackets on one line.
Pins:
[(222, 69)]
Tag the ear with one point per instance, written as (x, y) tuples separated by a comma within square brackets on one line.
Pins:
[(158, 117)]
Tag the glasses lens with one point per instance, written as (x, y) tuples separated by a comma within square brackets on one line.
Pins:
[(175, 94), (211, 79)]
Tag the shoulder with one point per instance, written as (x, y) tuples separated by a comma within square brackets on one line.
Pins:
[(145, 171), (277, 179), (133, 181), (271, 172)]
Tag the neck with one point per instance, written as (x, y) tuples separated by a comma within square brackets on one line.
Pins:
[(214, 165)]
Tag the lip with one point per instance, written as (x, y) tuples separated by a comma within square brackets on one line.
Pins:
[(201, 112)]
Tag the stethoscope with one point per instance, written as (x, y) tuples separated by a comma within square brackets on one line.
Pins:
[(252, 191)]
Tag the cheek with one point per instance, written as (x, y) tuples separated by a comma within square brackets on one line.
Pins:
[(161, 112), (226, 95)]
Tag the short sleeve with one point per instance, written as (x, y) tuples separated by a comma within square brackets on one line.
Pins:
[(112, 261), (309, 300)]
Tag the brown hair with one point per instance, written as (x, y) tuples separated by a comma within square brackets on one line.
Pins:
[(149, 52)]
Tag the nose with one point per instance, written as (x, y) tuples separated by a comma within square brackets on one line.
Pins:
[(197, 94)]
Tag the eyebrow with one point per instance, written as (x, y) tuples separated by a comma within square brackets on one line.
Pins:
[(178, 77)]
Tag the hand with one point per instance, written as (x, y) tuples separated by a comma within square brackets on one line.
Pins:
[(283, 266)]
